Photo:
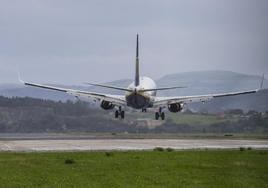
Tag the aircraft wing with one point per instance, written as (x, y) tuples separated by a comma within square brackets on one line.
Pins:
[(118, 100), (164, 101)]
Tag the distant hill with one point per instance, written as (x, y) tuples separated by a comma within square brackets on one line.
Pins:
[(201, 82)]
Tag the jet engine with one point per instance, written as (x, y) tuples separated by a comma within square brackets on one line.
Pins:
[(106, 105), (176, 107)]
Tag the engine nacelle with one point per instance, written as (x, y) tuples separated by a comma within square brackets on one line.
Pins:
[(176, 107), (106, 105)]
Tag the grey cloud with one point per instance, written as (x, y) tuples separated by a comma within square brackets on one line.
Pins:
[(95, 40)]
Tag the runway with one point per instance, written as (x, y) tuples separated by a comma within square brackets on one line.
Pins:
[(126, 144)]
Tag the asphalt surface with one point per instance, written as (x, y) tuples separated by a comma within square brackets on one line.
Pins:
[(126, 144)]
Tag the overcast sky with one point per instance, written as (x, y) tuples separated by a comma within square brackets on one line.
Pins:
[(73, 41)]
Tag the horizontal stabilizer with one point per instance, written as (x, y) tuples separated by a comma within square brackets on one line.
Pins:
[(110, 87), (163, 88)]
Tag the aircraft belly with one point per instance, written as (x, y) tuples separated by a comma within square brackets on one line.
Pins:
[(138, 101)]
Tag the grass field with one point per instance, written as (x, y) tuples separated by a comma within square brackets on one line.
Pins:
[(135, 169)]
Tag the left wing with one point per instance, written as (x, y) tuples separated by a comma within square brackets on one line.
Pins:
[(164, 101), (118, 100)]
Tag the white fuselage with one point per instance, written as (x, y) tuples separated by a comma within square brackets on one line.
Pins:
[(141, 99)]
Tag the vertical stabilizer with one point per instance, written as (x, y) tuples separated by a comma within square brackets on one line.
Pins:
[(137, 73)]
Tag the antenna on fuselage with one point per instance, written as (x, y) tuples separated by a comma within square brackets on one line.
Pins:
[(137, 73)]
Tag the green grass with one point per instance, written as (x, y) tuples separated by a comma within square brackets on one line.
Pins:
[(248, 168)]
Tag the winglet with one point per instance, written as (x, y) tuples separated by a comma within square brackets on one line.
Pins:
[(262, 80), (19, 76)]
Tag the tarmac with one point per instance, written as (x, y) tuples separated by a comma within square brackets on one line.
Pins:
[(36, 145)]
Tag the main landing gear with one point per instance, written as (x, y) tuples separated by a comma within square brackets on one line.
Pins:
[(120, 113), (160, 114), (144, 110)]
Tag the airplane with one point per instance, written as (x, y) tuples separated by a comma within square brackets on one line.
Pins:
[(139, 95)]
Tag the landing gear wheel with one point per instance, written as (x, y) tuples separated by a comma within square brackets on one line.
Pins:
[(163, 116), (122, 114), (144, 110), (157, 115), (116, 114)]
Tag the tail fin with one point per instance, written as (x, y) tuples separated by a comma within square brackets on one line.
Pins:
[(137, 73)]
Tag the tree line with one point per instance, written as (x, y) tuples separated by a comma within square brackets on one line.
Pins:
[(29, 115)]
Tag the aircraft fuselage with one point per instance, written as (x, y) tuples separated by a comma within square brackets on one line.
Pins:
[(140, 99)]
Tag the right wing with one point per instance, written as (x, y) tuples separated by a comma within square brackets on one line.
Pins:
[(117, 100), (164, 101)]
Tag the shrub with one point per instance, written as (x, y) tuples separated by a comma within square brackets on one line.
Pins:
[(108, 154), (242, 149), (158, 149), (69, 161), (170, 149), (262, 153)]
